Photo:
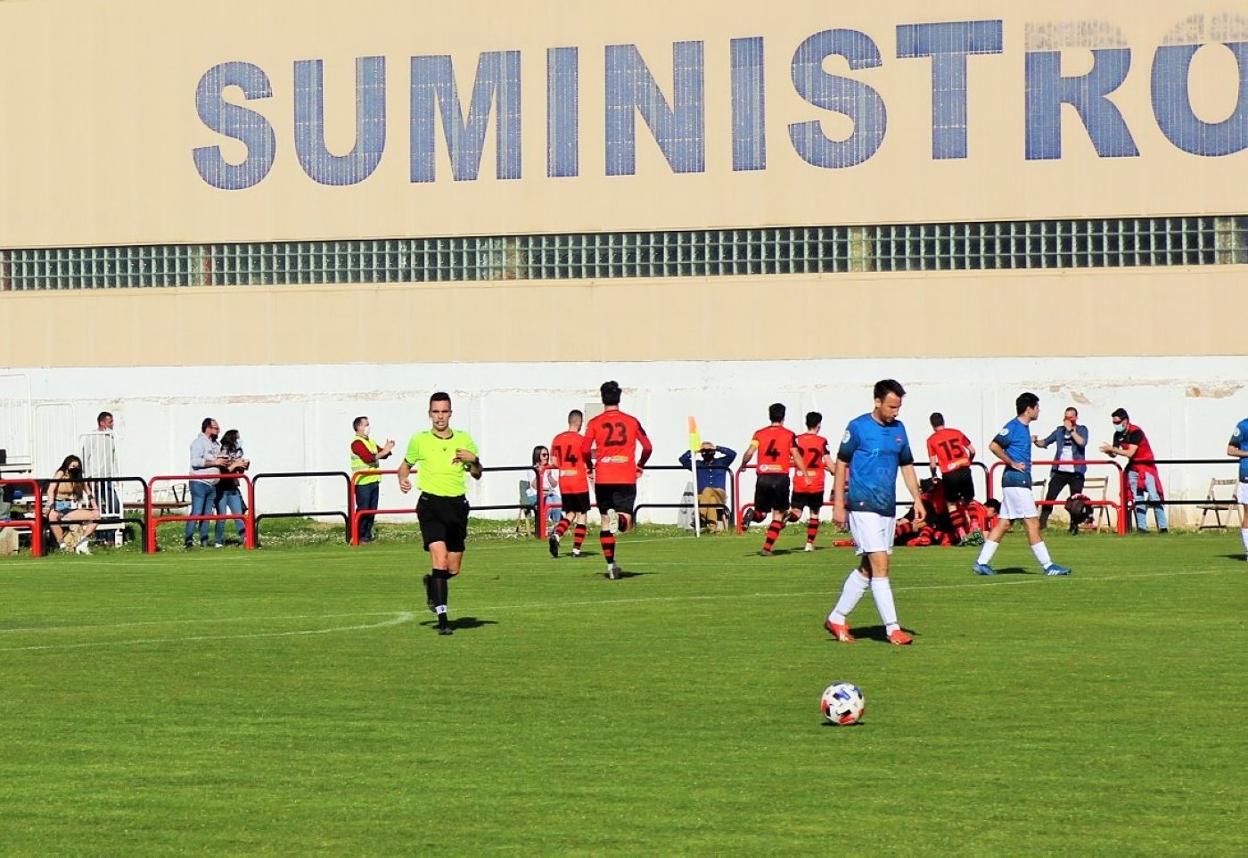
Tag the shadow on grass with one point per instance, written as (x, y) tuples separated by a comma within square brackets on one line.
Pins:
[(1013, 570), (460, 623), (775, 552), (625, 573), (1239, 557)]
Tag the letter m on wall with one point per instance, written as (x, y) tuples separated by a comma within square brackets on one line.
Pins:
[(497, 84)]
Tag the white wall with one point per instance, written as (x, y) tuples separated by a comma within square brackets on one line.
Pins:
[(299, 417)]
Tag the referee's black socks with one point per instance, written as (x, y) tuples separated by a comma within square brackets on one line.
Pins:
[(440, 594)]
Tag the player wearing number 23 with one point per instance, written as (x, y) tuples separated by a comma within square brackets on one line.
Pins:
[(610, 450)]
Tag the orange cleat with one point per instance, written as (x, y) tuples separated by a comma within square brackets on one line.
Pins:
[(900, 638), (841, 633)]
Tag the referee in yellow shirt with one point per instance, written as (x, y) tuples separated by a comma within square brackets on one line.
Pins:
[(443, 455)]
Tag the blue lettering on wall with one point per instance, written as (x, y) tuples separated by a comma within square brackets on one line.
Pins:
[(242, 124), (497, 81), (860, 102), (563, 110), (370, 122), (1047, 91), (948, 44), (678, 128), (749, 105), (1172, 104)]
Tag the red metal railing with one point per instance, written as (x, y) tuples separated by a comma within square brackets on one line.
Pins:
[(35, 523), (354, 514), (1122, 505), (248, 517)]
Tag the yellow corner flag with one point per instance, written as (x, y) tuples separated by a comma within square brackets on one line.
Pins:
[(695, 444), (695, 440)]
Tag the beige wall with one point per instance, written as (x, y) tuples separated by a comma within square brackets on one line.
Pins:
[(100, 121), (1146, 312)]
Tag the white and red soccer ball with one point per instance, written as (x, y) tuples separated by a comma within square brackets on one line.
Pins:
[(842, 703)]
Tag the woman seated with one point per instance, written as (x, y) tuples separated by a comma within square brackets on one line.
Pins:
[(69, 500)]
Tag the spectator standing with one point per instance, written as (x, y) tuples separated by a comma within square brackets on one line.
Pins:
[(1131, 443), (1071, 439), (206, 465), (70, 501), (366, 455), (229, 492), (1237, 448), (99, 458), (711, 479)]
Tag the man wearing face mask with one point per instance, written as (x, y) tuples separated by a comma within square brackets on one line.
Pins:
[(1071, 439), (1131, 443), (712, 479), (206, 460)]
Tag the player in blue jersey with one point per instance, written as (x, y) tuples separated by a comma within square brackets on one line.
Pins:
[(1238, 448), (874, 447), (1012, 445)]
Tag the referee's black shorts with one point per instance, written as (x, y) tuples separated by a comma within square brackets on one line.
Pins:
[(771, 493), (959, 486), (443, 519)]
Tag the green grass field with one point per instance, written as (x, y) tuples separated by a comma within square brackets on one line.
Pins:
[(297, 700)]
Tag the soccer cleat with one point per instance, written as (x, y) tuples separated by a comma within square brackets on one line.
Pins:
[(900, 638), (983, 569), (576, 552), (840, 632), (188, 544), (1054, 569), (610, 573), (763, 552), (553, 543), (810, 546), (975, 537), (217, 545), (82, 548), (428, 582), (445, 630)]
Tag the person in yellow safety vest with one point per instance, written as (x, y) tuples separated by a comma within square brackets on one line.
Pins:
[(367, 456)]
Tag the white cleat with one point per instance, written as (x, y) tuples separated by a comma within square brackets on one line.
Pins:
[(810, 546)]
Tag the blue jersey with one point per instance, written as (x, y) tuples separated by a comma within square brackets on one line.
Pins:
[(1015, 440), (874, 453), (1240, 440)]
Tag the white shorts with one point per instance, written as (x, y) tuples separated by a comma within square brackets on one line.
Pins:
[(1017, 502), (872, 532), (1241, 493)]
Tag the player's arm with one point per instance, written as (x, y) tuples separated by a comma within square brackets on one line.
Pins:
[(1236, 453), (912, 485), (838, 492), (587, 451), (749, 452), (646, 447), (997, 450), (933, 461), (970, 452), (405, 473)]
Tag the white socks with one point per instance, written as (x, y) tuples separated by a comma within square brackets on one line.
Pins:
[(882, 592), (855, 585), (985, 553), (1243, 534), (1042, 554)]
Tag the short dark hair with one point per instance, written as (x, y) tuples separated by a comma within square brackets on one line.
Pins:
[(610, 393), (1121, 414), (1025, 401), (355, 424), (813, 419), (102, 416), (1072, 408), (937, 419), (575, 412), (440, 396), (208, 421), (885, 386), (776, 412)]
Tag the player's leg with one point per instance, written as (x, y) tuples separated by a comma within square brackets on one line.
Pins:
[(606, 527), (774, 494), (856, 583), (1014, 504), (579, 529), (1041, 551), (560, 528), (812, 522), (1241, 495), (878, 537)]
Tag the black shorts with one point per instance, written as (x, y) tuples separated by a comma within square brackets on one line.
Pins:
[(812, 501), (771, 493), (575, 502), (443, 519), (959, 485), (621, 497)]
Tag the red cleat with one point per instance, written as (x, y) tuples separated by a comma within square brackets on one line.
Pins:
[(900, 638), (841, 633)]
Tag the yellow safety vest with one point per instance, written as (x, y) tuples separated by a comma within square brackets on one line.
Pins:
[(358, 464)]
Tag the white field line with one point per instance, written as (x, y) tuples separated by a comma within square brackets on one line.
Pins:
[(397, 618)]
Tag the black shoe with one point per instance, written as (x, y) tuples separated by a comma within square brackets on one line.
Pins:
[(1164, 530), (553, 543), (445, 630), (428, 581), (189, 544)]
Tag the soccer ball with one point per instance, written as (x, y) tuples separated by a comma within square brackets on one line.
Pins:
[(842, 703)]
